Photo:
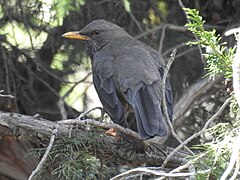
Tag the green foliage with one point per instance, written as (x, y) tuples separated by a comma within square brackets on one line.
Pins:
[(215, 155), (126, 5), (162, 6), (62, 8), (70, 158), (72, 161), (1, 12), (234, 110), (58, 61), (219, 58), (18, 36)]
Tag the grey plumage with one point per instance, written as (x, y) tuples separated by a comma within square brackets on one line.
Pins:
[(128, 73)]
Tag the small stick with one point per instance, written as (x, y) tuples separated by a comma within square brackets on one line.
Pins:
[(45, 156)]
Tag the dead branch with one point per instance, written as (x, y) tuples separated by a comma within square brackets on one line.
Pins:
[(122, 150), (193, 94)]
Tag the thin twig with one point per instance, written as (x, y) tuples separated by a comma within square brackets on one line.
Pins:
[(5, 95), (82, 115), (45, 156), (161, 39), (62, 109), (51, 73), (219, 112), (199, 47), (61, 104), (171, 59), (7, 79), (168, 26), (186, 51), (75, 84), (178, 46), (47, 84), (135, 21), (25, 22), (174, 28)]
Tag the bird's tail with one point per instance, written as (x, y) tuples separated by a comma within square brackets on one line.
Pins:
[(148, 113)]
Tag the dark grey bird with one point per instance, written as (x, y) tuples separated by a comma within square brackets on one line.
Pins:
[(127, 75)]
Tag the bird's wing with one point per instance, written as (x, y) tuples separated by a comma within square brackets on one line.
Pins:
[(168, 90), (145, 95), (106, 90)]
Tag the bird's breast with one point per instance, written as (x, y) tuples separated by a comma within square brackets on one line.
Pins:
[(102, 64)]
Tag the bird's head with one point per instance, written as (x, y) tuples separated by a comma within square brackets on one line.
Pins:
[(97, 34)]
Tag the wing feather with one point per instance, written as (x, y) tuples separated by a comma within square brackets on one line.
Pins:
[(109, 99)]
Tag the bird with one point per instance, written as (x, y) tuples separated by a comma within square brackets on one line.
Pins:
[(128, 77)]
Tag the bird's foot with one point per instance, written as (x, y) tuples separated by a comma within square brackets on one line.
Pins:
[(112, 132)]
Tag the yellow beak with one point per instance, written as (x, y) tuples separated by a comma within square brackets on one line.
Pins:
[(75, 35)]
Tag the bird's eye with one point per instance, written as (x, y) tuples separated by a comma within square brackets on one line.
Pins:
[(95, 33)]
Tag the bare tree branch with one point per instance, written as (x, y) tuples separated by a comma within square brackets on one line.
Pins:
[(127, 149), (192, 94)]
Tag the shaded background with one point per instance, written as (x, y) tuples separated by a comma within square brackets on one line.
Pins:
[(51, 77)]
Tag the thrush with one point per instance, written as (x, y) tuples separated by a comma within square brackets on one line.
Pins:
[(127, 75)]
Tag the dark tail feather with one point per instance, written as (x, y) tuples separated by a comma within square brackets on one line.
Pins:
[(148, 113)]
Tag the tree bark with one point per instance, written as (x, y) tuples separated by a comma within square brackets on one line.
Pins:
[(121, 150)]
